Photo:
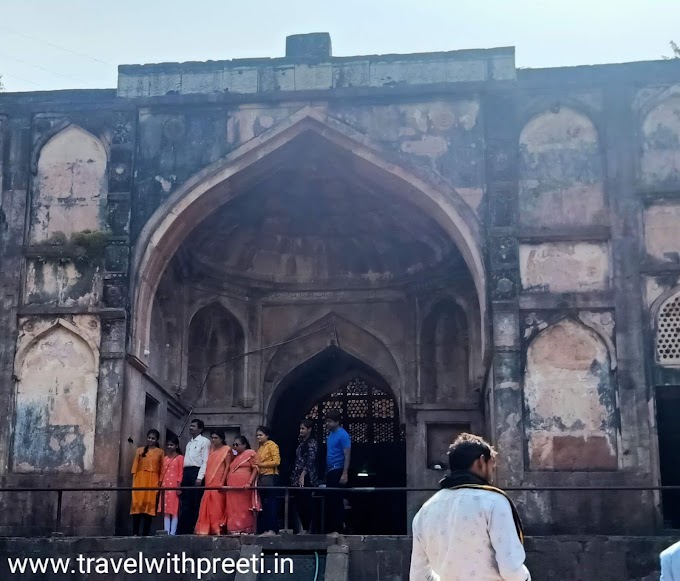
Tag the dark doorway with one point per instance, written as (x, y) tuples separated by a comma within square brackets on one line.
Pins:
[(334, 379), (668, 426)]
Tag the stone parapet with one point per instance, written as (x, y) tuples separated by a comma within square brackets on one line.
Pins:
[(294, 74)]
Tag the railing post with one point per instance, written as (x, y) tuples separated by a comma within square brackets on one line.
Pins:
[(286, 508), (59, 498), (323, 511), (162, 493)]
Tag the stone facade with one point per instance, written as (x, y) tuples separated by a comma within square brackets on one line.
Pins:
[(496, 248)]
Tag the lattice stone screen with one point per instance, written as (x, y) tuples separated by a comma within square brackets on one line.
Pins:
[(668, 332), (370, 414)]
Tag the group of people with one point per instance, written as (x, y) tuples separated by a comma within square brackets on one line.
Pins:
[(467, 517), (205, 507)]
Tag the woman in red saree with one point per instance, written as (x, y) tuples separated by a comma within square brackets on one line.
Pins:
[(242, 506), (211, 513)]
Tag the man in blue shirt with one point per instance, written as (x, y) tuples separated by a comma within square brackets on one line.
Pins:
[(670, 563), (338, 452)]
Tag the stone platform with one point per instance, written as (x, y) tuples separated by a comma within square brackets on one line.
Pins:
[(351, 558)]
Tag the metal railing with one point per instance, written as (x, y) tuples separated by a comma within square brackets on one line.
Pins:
[(320, 491)]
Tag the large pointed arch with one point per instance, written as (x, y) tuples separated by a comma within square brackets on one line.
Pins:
[(228, 178)]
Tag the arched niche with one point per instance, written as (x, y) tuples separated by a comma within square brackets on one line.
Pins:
[(56, 401), (660, 163), (215, 336), (667, 326), (561, 171), (445, 353), (70, 186), (570, 400), (167, 328)]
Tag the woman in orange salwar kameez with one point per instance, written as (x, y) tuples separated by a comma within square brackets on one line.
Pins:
[(171, 477), (146, 473), (242, 506), (211, 513)]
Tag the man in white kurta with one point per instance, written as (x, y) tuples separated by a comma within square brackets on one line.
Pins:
[(468, 534), (670, 563)]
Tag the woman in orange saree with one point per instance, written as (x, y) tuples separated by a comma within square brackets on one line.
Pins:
[(242, 506), (211, 513)]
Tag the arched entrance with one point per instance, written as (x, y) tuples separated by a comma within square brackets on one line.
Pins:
[(305, 227), (333, 379)]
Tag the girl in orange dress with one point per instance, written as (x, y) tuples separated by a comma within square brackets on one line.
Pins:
[(242, 506), (171, 477), (211, 513), (146, 473)]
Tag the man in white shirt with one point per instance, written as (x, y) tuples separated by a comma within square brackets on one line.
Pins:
[(469, 530), (195, 460), (670, 563)]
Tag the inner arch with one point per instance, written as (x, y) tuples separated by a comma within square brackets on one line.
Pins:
[(333, 379)]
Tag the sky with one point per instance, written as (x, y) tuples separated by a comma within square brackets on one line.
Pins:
[(74, 44)]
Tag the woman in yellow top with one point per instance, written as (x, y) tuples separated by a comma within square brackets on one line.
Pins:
[(268, 461), (146, 473)]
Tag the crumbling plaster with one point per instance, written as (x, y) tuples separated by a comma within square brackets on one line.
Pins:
[(570, 397), (70, 185), (56, 372)]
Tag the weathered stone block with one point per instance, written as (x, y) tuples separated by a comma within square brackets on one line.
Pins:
[(313, 46), (506, 328), (116, 258), (65, 283), (201, 81), (560, 267), (313, 77), (277, 78), (240, 80), (415, 73), (662, 241), (120, 170), (351, 74), (115, 291)]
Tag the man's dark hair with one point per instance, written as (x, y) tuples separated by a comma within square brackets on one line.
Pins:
[(466, 449), (333, 416), (199, 423)]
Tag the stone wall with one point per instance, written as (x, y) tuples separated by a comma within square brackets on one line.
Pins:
[(565, 181)]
